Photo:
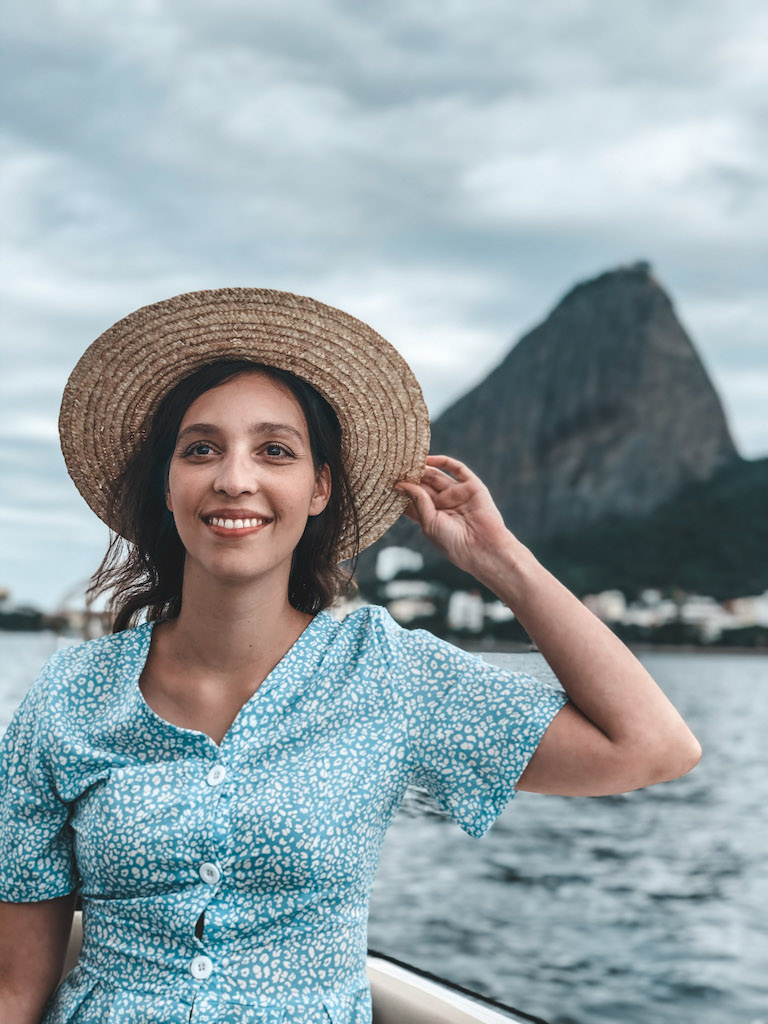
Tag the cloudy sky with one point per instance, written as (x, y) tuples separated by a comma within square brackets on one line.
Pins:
[(443, 171)]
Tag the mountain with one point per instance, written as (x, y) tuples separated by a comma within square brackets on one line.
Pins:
[(603, 410)]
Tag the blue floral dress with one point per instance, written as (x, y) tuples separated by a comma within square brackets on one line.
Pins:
[(274, 834)]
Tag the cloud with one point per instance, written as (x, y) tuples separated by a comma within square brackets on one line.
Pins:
[(446, 173)]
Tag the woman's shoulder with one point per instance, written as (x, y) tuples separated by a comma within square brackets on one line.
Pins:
[(414, 649), (373, 624), (75, 664), (73, 654), (368, 621)]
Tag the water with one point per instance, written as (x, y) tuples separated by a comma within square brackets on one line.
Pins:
[(642, 908), (649, 907)]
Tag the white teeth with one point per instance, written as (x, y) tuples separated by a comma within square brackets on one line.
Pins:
[(236, 524)]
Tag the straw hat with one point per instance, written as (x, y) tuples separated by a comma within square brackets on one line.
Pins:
[(119, 381)]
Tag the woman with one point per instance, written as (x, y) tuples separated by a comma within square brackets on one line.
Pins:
[(217, 781)]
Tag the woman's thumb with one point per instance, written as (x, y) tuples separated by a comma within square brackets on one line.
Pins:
[(418, 500)]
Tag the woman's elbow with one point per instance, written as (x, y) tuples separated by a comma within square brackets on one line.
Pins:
[(676, 758)]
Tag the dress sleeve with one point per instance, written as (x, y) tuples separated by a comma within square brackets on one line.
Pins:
[(473, 727), (36, 841)]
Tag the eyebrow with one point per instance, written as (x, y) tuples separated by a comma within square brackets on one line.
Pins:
[(265, 427)]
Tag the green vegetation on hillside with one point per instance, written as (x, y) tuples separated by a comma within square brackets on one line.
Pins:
[(712, 538)]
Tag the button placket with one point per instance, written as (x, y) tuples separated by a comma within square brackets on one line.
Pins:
[(209, 872)]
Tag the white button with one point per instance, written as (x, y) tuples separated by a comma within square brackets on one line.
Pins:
[(201, 967), (216, 774), (209, 873)]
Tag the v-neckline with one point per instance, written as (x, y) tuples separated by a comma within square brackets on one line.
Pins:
[(267, 684)]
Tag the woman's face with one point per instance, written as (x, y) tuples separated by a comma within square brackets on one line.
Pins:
[(242, 452)]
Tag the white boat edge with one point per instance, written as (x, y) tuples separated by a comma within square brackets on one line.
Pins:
[(401, 995)]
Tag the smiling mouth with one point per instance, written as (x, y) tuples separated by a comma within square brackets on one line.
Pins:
[(236, 527)]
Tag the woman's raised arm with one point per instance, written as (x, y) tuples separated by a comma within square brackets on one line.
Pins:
[(619, 732)]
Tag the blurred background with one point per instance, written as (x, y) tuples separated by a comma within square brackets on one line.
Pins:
[(446, 173), (556, 213)]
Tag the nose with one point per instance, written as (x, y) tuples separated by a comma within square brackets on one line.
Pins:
[(237, 474)]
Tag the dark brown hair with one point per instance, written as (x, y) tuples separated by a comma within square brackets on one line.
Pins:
[(149, 573)]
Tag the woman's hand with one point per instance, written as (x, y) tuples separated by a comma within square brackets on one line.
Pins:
[(457, 515)]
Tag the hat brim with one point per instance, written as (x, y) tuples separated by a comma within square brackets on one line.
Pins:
[(118, 383)]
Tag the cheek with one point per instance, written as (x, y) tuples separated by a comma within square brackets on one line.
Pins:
[(168, 482), (177, 491)]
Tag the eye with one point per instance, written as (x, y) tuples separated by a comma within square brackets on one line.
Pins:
[(281, 448), (192, 448)]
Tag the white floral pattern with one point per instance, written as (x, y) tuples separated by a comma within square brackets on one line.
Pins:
[(275, 834)]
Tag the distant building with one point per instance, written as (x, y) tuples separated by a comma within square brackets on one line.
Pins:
[(497, 611), (709, 617), (408, 588), (466, 611), (391, 560), (609, 605), (748, 611), (405, 609)]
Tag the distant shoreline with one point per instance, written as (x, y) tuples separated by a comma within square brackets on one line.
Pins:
[(491, 646), (510, 647)]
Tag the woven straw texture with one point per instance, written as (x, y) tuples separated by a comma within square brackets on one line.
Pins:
[(119, 381)]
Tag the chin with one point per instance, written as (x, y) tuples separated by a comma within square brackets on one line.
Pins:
[(238, 573)]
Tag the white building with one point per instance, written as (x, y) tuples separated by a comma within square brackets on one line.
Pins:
[(608, 605), (405, 609), (466, 611), (749, 611), (390, 561)]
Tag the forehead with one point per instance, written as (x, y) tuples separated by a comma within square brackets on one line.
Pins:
[(249, 395)]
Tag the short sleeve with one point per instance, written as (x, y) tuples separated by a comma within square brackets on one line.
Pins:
[(473, 727), (36, 841)]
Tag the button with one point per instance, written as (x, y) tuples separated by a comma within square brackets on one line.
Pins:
[(201, 967), (209, 873), (216, 774)]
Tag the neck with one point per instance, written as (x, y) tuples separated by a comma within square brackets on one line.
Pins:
[(231, 634)]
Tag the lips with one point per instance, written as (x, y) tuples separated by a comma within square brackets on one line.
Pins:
[(224, 531)]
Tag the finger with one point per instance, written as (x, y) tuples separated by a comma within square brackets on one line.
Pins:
[(459, 469), (436, 479), (433, 481), (410, 509), (443, 486), (420, 499), (440, 478)]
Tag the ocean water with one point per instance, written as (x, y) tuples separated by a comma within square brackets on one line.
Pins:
[(649, 907)]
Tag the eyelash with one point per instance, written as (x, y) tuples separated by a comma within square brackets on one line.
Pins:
[(205, 444)]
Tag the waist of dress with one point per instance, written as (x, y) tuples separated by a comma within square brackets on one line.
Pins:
[(292, 966), (114, 1004)]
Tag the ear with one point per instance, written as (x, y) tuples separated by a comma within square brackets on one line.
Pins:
[(322, 493), (168, 502)]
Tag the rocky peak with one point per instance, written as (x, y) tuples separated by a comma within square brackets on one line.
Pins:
[(604, 408)]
